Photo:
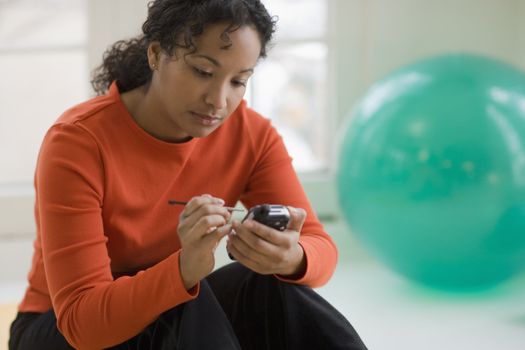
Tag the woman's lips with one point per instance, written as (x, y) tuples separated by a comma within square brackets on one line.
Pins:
[(205, 119)]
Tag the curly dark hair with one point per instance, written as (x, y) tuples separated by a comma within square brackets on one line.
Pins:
[(174, 24)]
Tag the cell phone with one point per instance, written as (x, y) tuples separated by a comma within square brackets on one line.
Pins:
[(273, 215)]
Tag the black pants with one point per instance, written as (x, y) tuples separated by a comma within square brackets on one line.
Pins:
[(236, 309)]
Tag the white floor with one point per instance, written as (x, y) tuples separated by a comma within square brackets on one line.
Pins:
[(387, 311), (390, 313)]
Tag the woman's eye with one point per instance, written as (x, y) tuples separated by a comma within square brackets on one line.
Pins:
[(239, 83), (201, 72)]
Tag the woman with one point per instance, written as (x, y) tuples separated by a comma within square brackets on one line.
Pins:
[(114, 265)]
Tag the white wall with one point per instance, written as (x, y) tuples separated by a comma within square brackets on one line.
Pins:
[(374, 37), (109, 21)]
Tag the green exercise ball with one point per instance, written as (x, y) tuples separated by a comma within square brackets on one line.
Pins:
[(431, 171)]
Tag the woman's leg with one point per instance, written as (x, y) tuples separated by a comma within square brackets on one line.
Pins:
[(269, 314), (199, 324), (32, 330)]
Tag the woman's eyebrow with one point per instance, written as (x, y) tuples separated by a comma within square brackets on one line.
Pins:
[(217, 63)]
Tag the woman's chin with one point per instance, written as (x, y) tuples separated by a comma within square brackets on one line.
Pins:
[(203, 132)]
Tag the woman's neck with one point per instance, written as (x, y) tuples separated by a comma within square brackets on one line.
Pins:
[(142, 107)]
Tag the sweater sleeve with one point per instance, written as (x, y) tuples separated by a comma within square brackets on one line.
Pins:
[(93, 310), (273, 180)]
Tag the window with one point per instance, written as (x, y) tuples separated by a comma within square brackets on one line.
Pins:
[(290, 86), (43, 65)]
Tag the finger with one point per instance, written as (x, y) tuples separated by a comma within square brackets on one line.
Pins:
[(207, 222), (242, 258), (214, 237), (197, 202), (297, 218), (191, 207), (262, 231), (249, 251), (252, 241), (204, 210), (208, 210)]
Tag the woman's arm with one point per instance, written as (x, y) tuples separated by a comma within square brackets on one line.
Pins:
[(93, 310), (273, 180)]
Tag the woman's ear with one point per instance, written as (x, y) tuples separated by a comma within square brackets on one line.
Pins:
[(154, 53)]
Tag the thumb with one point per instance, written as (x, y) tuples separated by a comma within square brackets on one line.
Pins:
[(213, 238), (297, 217)]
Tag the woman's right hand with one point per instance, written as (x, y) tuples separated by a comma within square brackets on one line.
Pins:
[(202, 224)]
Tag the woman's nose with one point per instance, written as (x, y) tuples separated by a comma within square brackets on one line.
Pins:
[(217, 96)]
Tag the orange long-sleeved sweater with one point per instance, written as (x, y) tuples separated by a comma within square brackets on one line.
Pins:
[(107, 252)]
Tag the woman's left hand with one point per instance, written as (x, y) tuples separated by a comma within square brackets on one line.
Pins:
[(269, 251)]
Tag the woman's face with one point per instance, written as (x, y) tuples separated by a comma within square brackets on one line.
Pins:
[(195, 93)]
